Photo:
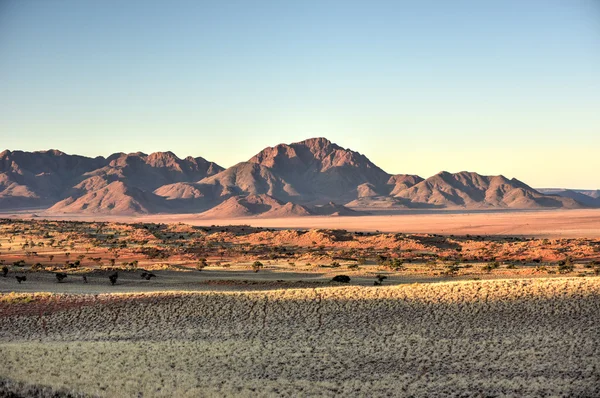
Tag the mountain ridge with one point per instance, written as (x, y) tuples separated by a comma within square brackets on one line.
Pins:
[(309, 177)]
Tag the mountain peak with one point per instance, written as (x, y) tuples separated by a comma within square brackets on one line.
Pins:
[(316, 143), (166, 154), (162, 157), (53, 152)]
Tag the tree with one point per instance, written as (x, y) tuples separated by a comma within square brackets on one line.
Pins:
[(256, 266), (201, 264)]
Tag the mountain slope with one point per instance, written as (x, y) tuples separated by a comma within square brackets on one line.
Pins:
[(115, 198), (266, 206), (400, 182), (244, 206), (249, 178)]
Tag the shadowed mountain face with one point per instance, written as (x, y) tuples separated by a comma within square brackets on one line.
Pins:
[(311, 177)]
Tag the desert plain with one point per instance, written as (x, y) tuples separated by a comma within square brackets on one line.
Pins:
[(475, 306)]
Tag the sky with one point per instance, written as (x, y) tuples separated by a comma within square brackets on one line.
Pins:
[(506, 87)]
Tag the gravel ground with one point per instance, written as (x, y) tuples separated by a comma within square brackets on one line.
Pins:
[(478, 338)]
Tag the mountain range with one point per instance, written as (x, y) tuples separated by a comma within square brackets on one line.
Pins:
[(311, 177)]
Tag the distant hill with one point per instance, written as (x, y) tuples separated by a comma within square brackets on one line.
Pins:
[(589, 198), (310, 177), (114, 198), (472, 190), (268, 207)]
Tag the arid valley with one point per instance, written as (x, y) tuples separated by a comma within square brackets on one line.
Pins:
[(299, 199)]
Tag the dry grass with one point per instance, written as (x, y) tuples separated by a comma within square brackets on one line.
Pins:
[(482, 338)]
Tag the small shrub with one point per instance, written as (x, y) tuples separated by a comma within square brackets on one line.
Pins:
[(566, 268), (451, 270), (491, 266), (341, 279)]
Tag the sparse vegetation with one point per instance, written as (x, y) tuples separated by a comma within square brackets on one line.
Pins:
[(106, 346)]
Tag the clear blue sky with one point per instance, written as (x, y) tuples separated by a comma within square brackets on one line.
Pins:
[(498, 87)]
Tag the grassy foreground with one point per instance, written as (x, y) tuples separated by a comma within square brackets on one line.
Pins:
[(477, 338)]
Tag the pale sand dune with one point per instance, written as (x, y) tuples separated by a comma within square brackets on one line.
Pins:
[(551, 223)]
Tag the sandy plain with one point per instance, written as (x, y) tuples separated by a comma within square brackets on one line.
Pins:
[(578, 223)]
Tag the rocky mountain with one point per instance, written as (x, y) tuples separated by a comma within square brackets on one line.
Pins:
[(317, 170), (149, 172), (34, 179), (471, 190), (589, 198), (311, 177), (121, 183)]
